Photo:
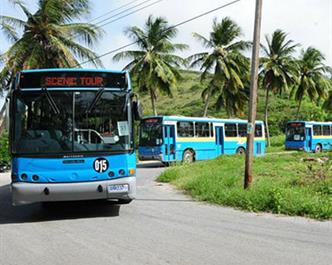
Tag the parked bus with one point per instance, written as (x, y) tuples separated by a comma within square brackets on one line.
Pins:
[(177, 138), (71, 136), (309, 136)]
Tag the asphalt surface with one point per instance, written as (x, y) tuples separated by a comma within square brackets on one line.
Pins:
[(162, 226)]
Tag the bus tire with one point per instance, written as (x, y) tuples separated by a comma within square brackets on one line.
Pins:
[(188, 157), (318, 148), (166, 164), (240, 151)]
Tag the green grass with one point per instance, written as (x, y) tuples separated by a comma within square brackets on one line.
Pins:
[(282, 184)]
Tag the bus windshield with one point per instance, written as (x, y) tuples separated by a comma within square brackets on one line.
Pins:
[(295, 132), (151, 133), (71, 121)]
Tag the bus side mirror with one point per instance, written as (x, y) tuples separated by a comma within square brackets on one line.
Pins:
[(137, 110)]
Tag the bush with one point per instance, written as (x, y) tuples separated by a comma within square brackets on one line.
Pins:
[(4, 154)]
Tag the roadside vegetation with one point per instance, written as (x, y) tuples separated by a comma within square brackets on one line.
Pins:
[(4, 155), (283, 184)]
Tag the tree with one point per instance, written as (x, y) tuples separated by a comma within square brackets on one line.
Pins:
[(154, 66), (328, 102), (312, 82), (278, 68), (48, 38), (230, 68)]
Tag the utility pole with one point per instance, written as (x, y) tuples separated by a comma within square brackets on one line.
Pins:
[(253, 95)]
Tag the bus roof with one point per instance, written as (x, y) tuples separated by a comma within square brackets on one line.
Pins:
[(206, 119), (313, 122), (73, 70)]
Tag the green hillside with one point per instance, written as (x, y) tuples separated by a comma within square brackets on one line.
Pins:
[(187, 101)]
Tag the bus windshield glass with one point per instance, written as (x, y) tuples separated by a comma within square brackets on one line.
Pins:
[(151, 133), (71, 121), (295, 131)]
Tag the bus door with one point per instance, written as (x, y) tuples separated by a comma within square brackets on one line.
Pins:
[(308, 138), (220, 139), (169, 138)]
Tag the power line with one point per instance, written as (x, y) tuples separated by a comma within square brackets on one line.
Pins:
[(133, 12), (123, 11), (171, 27), (126, 15), (113, 10)]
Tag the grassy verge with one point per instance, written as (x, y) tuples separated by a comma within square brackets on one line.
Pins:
[(282, 184)]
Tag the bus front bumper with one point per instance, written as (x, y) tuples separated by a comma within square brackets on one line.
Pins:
[(26, 193), (150, 157)]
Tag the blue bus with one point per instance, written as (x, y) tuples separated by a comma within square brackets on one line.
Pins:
[(71, 136), (178, 138), (309, 136)]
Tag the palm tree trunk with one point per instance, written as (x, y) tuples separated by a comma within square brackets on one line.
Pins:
[(2, 119), (206, 105), (153, 102), (266, 114), (298, 109)]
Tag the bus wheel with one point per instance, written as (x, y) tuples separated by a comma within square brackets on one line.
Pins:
[(318, 148), (188, 157), (240, 151)]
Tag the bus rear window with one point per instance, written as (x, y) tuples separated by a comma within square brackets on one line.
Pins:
[(295, 132)]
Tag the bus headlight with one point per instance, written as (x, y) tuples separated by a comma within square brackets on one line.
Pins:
[(35, 177), (24, 176)]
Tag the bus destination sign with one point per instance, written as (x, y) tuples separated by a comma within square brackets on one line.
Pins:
[(72, 79)]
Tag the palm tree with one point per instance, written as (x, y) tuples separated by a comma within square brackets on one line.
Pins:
[(312, 82), (230, 68), (328, 102), (278, 68), (49, 37), (154, 65)]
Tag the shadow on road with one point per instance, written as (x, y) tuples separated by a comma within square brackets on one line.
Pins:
[(52, 211)]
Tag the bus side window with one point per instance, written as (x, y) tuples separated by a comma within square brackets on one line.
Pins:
[(202, 129), (258, 130), (242, 128), (326, 130), (185, 129), (230, 130), (317, 130)]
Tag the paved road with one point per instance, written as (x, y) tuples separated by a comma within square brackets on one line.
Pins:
[(162, 227)]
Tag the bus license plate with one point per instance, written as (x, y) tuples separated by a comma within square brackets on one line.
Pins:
[(116, 188)]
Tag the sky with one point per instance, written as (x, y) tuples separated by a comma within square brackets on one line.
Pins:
[(308, 22)]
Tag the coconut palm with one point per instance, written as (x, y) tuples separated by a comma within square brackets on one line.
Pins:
[(154, 66), (312, 82), (278, 68), (49, 37), (224, 65), (328, 102)]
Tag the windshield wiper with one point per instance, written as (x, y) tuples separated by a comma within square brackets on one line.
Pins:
[(95, 100), (51, 101)]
